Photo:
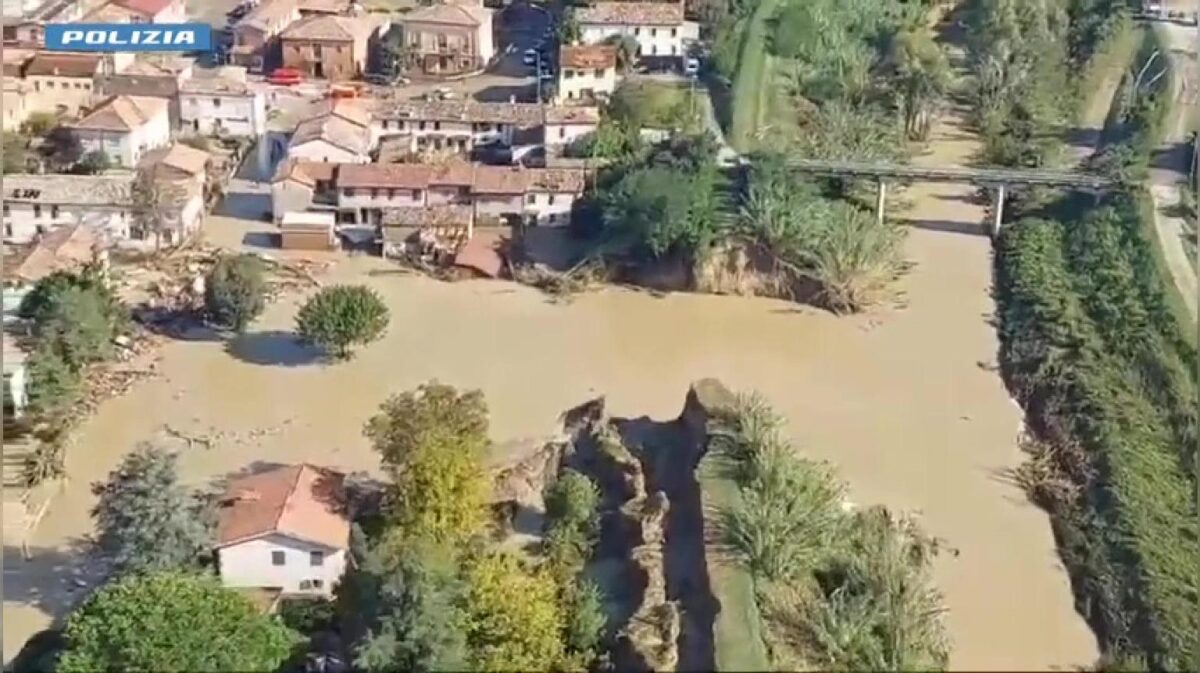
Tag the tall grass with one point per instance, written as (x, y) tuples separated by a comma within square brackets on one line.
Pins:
[(839, 590)]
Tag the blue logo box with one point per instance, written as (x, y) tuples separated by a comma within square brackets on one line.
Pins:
[(113, 37)]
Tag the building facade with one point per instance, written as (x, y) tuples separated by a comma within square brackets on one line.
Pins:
[(330, 47), (449, 38), (37, 204), (658, 27), (586, 73), (223, 105), (125, 128)]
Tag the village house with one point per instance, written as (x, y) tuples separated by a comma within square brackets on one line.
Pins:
[(124, 128), (308, 231), (300, 186), (460, 125), (331, 47), (331, 138), (186, 170), (254, 37), (400, 226), (18, 100), (658, 27), (36, 204), (155, 11), (66, 248), (25, 28), (586, 72), (63, 83), (223, 105), (565, 124), (448, 38), (152, 75), (287, 529)]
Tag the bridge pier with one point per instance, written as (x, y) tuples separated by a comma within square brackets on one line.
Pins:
[(880, 199), (998, 208)]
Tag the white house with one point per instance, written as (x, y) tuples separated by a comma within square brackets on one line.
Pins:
[(286, 529), (454, 124), (341, 133), (36, 204), (550, 195), (62, 83), (657, 27), (224, 104), (125, 128), (567, 123), (586, 72)]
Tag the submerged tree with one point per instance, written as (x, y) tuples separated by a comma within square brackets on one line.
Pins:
[(338, 317), (234, 291)]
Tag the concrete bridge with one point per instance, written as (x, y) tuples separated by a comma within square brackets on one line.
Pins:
[(996, 179)]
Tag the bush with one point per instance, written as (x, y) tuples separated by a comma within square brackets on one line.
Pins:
[(54, 385), (78, 327), (572, 501), (341, 316), (234, 292), (92, 163), (39, 124)]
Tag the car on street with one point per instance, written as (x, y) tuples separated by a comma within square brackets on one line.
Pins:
[(285, 77), (529, 57), (691, 66)]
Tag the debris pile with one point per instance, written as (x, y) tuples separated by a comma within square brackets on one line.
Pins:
[(584, 276)]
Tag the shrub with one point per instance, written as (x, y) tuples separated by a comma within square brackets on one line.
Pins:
[(572, 501), (234, 292), (341, 316), (54, 385)]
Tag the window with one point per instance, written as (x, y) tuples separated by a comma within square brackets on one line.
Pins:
[(316, 558), (54, 212), (49, 85), (674, 32), (400, 125), (599, 73), (7, 211), (316, 50), (653, 32), (550, 200), (348, 193), (437, 126), (309, 585), (374, 192), (385, 124), (278, 558), (391, 193), (416, 194), (531, 199), (562, 132), (421, 126), (87, 86), (568, 74), (37, 210), (637, 31), (653, 49), (340, 48), (216, 102)]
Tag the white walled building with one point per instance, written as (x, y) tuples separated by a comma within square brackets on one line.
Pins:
[(225, 104), (62, 83), (658, 27), (286, 529), (567, 123), (125, 128), (36, 204), (586, 72)]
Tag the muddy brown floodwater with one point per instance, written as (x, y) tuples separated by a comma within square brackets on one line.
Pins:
[(904, 402)]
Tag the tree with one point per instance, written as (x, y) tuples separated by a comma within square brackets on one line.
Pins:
[(586, 620), (172, 621), (54, 386), (627, 51), (514, 622), (432, 443), (234, 292), (47, 292), (658, 210), (920, 78), (39, 124), (16, 153), (145, 519), (568, 29), (62, 147), (78, 327), (420, 623), (157, 205), (92, 163), (341, 316), (572, 501)]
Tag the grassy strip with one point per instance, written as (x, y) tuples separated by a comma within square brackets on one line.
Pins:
[(737, 632), (750, 81), (1090, 351), (1173, 295)]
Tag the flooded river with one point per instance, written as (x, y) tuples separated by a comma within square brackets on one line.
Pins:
[(904, 402)]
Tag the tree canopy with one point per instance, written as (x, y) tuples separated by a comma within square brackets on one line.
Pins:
[(145, 519), (514, 622), (234, 292), (172, 621), (341, 316)]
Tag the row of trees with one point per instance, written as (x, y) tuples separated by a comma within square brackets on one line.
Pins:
[(837, 590), (1096, 356)]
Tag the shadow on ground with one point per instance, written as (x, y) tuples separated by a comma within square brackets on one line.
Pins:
[(274, 348), (49, 579)]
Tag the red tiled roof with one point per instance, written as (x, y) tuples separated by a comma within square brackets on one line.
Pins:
[(632, 13), (588, 56), (145, 7), (386, 176), (300, 501), (500, 180), (63, 65)]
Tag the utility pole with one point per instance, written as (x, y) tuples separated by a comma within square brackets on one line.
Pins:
[(538, 74)]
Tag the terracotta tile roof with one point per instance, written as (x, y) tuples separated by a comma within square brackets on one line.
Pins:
[(558, 180), (292, 169), (632, 13), (62, 249), (113, 13), (427, 216), (386, 176), (182, 158), (500, 180), (350, 110), (450, 14), (452, 174), (335, 131), (122, 113), (333, 28), (588, 56), (149, 8), (299, 501), (572, 114), (324, 6), (63, 65), (480, 255), (269, 12), (88, 190)]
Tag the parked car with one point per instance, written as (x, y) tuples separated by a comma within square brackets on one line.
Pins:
[(529, 57), (691, 66), (285, 77)]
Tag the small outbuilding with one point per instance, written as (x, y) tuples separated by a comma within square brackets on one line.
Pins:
[(307, 231)]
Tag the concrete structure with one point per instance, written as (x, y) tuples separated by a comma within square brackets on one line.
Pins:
[(331, 47), (567, 124), (62, 83), (125, 128), (36, 204), (586, 72), (255, 44), (224, 104), (658, 27), (448, 38), (286, 529)]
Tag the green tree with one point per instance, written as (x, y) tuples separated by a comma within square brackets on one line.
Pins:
[(16, 153), (234, 292), (47, 292), (78, 327), (572, 501), (514, 622), (157, 205), (432, 443), (341, 316), (657, 210), (92, 163), (627, 51), (568, 29), (145, 519), (172, 621), (584, 610), (419, 623), (39, 124), (920, 77), (54, 386)]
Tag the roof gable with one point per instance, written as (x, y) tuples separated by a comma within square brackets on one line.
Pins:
[(304, 502)]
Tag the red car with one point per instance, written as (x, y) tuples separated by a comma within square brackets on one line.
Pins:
[(285, 76)]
